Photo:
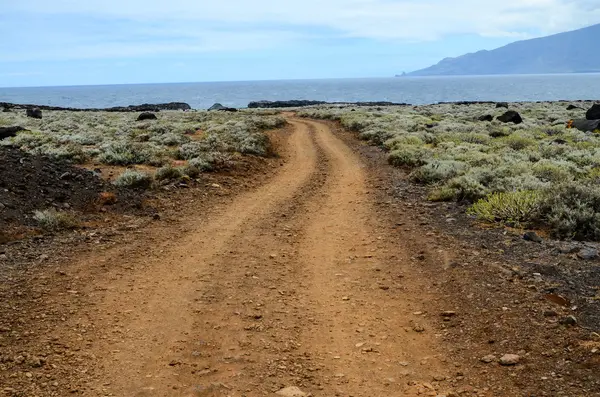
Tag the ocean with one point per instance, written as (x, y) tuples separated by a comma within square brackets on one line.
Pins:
[(413, 90)]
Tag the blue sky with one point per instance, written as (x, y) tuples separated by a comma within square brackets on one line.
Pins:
[(72, 42)]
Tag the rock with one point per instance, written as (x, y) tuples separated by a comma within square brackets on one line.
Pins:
[(587, 254), (558, 299), (593, 113), (7, 132), (502, 105), (490, 358), (216, 106), (146, 116), (448, 313), (584, 125), (572, 107), (550, 313), (509, 359), (35, 113), (418, 328), (486, 117), (291, 391), (569, 320), (510, 117), (532, 236), (566, 248)]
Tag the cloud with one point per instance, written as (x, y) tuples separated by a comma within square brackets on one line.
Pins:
[(64, 29)]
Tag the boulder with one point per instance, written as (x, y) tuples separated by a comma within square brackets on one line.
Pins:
[(146, 116), (35, 113), (510, 117), (7, 132), (572, 107), (486, 117), (585, 125), (593, 113), (216, 106), (501, 105)]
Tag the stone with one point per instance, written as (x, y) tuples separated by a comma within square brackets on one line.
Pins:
[(35, 113), (587, 254), (532, 236), (7, 132), (448, 313), (572, 107), (509, 359), (486, 117), (569, 320), (291, 391), (510, 117), (593, 113), (584, 125), (218, 106), (502, 105), (490, 358), (146, 116)]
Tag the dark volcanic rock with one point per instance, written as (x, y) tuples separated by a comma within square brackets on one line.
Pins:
[(146, 116), (585, 125), (593, 113), (510, 117), (532, 236), (218, 106), (502, 105), (302, 103), (132, 108), (6, 132), (572, 107), (35, 113), (283, 104), (486, 117)]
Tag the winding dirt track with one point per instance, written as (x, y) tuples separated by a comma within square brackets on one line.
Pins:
[(296, 283)]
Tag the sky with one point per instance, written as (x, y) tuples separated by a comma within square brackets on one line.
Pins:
[(85, 42)]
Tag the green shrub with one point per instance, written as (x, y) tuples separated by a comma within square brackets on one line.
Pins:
[(410, 156), (204, 163), (134, 179), (512, 208), (168, 173), (437, 170), (191, 171), (573, 211), (53, 220), (123, 153)]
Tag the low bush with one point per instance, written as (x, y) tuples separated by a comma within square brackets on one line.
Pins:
[(134, 179), (573, 211), (53, 220), (512, 208), (168, 173)]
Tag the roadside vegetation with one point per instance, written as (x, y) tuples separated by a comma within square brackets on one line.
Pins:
[(176, 145), (535, 174)]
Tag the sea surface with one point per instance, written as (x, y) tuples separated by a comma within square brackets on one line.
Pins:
[(413, 90)]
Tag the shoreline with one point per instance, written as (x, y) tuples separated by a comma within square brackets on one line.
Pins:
[(263, 104)]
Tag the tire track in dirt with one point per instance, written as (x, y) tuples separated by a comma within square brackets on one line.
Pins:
[(362, 294), (294, 283), (150, 312)]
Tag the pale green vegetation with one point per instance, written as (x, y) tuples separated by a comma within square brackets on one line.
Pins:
[(53, 220), (204, 139), (538, 173), (134, 179)]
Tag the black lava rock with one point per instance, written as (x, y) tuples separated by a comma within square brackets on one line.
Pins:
[(510, 117), (146, 116), (35, 113), (593, 113)]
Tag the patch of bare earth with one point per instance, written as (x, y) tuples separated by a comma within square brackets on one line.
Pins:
[(326, 273)]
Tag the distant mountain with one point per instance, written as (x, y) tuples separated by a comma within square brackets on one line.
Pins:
[(570, 52)]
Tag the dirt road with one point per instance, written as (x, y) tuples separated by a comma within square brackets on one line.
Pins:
[(296, 283)]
